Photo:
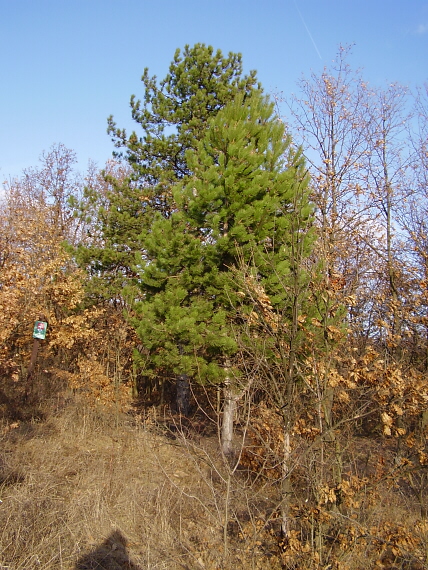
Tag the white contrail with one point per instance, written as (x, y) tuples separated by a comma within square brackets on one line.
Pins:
[(307, 29)]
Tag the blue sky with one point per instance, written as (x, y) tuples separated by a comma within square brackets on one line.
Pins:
[(66, 65)]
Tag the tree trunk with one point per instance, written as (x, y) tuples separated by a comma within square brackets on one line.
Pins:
[(229, 411), (286, 487), (183, 394)]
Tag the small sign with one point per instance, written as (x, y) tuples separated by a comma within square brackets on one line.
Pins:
[(39, 331)]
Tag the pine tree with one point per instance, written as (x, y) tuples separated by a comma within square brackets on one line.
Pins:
[(242, 194), (237, 206), (173, 115), (172, 118)]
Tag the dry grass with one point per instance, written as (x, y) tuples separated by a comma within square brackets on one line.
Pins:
[(89, 489), (71, 483)]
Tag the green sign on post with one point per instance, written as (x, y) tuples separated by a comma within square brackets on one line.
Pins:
[(39, 331)]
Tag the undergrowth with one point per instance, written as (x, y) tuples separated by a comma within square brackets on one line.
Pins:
[(86, 488)]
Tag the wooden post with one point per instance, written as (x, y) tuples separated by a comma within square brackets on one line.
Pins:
[(38, 336)]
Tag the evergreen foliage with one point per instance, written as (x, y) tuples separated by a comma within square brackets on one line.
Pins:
[(213, 185), (172, 117), (238, 206)]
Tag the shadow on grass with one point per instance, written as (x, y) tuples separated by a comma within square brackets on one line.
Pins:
[(112, 554)]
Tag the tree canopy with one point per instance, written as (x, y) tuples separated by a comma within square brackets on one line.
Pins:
[(234, 208)]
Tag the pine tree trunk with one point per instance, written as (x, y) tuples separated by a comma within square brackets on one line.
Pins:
[(229, 411), (183, 394)]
